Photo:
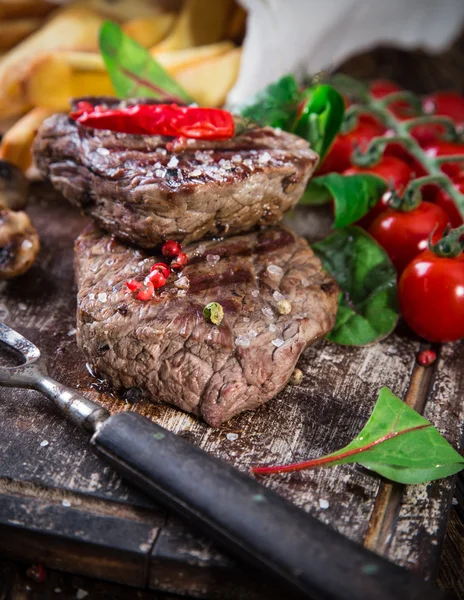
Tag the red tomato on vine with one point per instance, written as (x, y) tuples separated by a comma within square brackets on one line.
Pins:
[(395, 172), (431, 296), (404, 234), (447, 104)]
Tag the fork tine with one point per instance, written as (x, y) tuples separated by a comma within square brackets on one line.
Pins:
[(12, 338)]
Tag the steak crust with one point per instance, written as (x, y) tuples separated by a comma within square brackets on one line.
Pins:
[(166, 348), (146, 189)]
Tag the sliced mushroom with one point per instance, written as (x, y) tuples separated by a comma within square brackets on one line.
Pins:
[(19, 243), (14, 186)]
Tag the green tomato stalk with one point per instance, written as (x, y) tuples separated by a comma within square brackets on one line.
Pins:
[(379, 108)]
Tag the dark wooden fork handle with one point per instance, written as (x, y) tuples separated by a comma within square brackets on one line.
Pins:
[(250, 521)]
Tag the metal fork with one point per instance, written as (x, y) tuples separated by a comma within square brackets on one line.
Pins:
[(239, 513)]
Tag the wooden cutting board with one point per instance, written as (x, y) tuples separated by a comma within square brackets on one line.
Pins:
[(61, 506)]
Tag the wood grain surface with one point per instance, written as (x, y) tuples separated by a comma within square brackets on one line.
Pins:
[(61, 506)]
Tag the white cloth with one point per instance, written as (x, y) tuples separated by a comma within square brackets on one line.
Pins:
[(307, 36)]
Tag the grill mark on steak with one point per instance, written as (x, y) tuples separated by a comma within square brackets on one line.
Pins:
[(144, 191), (166, 348)]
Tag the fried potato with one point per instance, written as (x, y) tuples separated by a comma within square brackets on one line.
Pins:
[(209, 81), (12, 32), (20, 9), (17, 142), (236, 23), (71, 29), (120, 10), (149, 31), (181, 59), (199, 23)]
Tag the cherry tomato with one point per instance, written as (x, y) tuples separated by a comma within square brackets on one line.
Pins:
[(445, 201), (404, 234), (442, 148), (395, 172), (380, 88), (431, 297), (339, 156), (448, 104)]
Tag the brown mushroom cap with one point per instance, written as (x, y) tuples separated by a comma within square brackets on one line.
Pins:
[(19, 243), (14, 186)]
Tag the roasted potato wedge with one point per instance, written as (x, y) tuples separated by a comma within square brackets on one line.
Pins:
[(199, 23), (120, 10), (72, 29), (181, 59), (17, 142), (149, 31), (209, 81)]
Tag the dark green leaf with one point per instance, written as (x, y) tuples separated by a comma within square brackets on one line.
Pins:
[(396, 442), (132, 69), (367, 310), (353, 195), (275, 105), (320, 117)]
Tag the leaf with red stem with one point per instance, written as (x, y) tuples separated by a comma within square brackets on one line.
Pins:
[(133, 71), (396, 442)]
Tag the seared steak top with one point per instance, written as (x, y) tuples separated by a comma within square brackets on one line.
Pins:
[(146, 189), (166, 349)]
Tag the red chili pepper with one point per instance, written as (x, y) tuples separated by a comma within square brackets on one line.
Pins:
[(171, 248), (161, 268), (426, 358), (159, 119), (180, 261)]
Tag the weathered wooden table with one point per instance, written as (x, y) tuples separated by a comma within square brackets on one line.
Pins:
[(63, 507)]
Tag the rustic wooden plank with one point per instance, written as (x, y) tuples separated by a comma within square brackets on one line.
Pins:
[(75, 533), (416, 541), (183, 560)]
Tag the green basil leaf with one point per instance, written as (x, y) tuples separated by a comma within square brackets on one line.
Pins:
[(132, 69), (396, 442), (367, 309), (320, 117), (353, 195), (275, 105)]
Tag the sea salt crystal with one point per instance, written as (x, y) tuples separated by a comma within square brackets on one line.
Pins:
[(91, 296), (22, 306), (200, 250), (81, 594), (277, 130), (72, 331), (278, 296), (160, 173), (272, 327), (182, 282), (255, 293), (212, 259), (44, 443), (196, 173), (267, 312), (278, 342), (103, 151), (173, 162), (26, 244), (242, 340), (225, 164), (66, 503), (252, 334), (109, 262), (162, 151), (157, 165), (102, 297), (181, 293), (232, 437), (248, 163), (246, 319), (264, 158), (236, 158), (323, 504), (275, 270)]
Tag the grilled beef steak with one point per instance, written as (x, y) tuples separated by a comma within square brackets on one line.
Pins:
[(168, 350), (146, 189)]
